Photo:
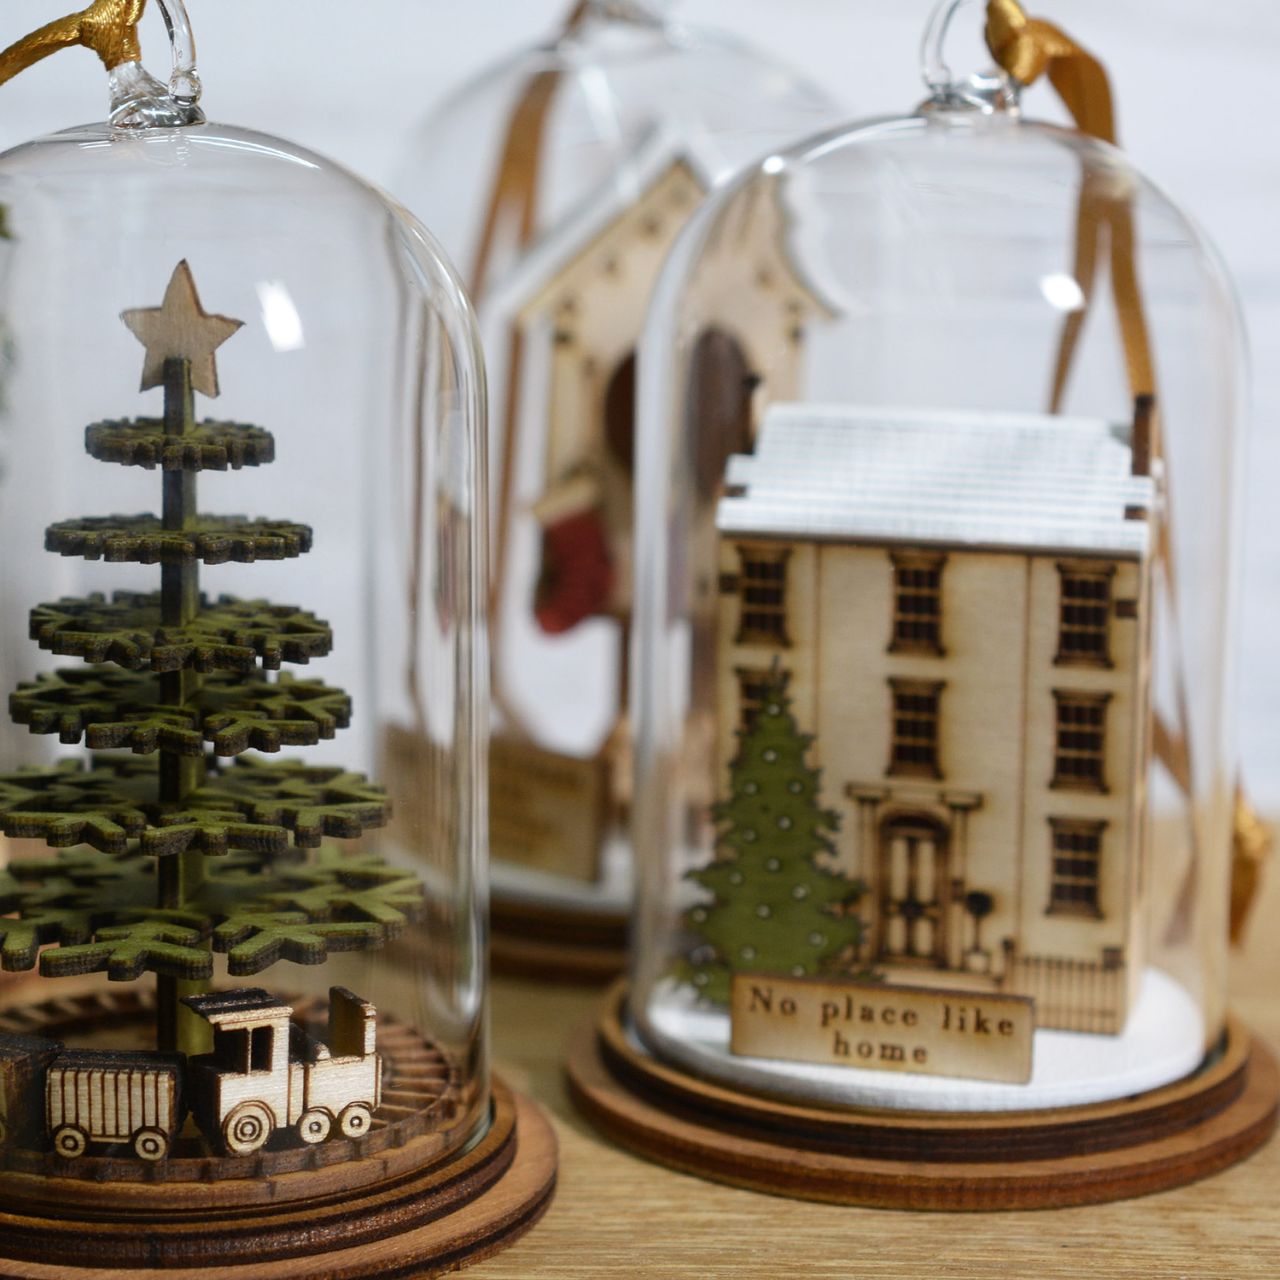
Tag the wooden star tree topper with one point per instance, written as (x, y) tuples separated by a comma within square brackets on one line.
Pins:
[(180, 329)]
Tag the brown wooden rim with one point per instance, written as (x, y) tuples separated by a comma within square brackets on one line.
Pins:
[(176, 1226), (547, 943), (887, 1159), (914, 1135), (474, 1225)]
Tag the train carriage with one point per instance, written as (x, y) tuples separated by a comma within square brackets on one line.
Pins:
[(95, 1097)]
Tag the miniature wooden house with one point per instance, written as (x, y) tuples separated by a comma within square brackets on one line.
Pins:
[(962, 605), (565, 395)]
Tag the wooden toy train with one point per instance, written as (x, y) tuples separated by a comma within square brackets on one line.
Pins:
[(265, 1074)]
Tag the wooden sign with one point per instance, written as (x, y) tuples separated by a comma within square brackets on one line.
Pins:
[(881, 1027), (547, 811)]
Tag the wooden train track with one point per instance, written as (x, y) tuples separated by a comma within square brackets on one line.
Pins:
[(424, 1105)]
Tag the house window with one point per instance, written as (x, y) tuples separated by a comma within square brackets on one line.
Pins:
[(917, 604), (1084, 632), (1077, 852), (763, 591), (1080, 745), (753, 684), (914, 747)]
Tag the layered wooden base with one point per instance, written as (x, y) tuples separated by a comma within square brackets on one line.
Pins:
[(391, 1203), (438, 1220), (552, 944), (914, 1160)]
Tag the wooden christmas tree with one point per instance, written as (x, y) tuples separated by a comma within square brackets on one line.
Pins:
[(775, 908), (169, 853)]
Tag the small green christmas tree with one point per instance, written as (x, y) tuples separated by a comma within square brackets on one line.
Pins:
[(168, 854), (775, 908)]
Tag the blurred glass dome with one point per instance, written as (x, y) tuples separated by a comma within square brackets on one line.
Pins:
[(558, 179)]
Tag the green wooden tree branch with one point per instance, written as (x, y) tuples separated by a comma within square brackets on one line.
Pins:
[(210, 540), (123, 709), (204, 446), (22, 938), (253, 805), (129, 631), (128, 951), (255, 940)]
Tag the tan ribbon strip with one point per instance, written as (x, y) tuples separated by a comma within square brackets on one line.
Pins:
[(512, 210), (1027, 48), (108, 27)]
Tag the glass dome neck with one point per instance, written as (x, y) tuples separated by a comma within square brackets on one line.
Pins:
[(140, 101), (989, 94)]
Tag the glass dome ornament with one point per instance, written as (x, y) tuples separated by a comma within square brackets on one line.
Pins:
[(242, 1007), (559, 179), (935, 761)]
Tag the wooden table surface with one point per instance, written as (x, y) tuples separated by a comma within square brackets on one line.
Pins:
[(616, 1215)]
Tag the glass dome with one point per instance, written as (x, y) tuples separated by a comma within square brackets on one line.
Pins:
[(204, 844), (558, 180), (933, 678)]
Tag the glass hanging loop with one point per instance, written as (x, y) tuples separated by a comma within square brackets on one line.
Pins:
[(110, 29), (989, 91), (184, 82)]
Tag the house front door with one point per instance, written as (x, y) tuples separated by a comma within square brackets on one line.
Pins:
[(911, 922)]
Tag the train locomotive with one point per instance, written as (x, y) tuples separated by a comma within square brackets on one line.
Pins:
[(265, 1075)]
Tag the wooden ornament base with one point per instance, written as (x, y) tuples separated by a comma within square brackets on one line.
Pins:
[(459, 1213), (913, 1160), (551, 944), (390, 1204)]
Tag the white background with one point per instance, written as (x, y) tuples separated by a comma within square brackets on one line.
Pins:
[(1197, 108)]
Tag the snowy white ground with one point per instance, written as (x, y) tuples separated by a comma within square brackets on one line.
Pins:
[(1162, 1042)]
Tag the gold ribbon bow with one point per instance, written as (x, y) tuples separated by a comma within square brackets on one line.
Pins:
[(1026, 49), (108, 27)]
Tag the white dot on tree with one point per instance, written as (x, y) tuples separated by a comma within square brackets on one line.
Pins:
[(770, 755), (817, 940), (800, 892), (748, 953), (784, 823), (773, 864), (764, 911)]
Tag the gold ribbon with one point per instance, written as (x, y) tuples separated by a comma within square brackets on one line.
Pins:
[(512, 207), (1026, 49), (108, 27), (1253, 844)]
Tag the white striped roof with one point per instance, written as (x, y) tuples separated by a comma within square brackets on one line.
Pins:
[(1026, 482)]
